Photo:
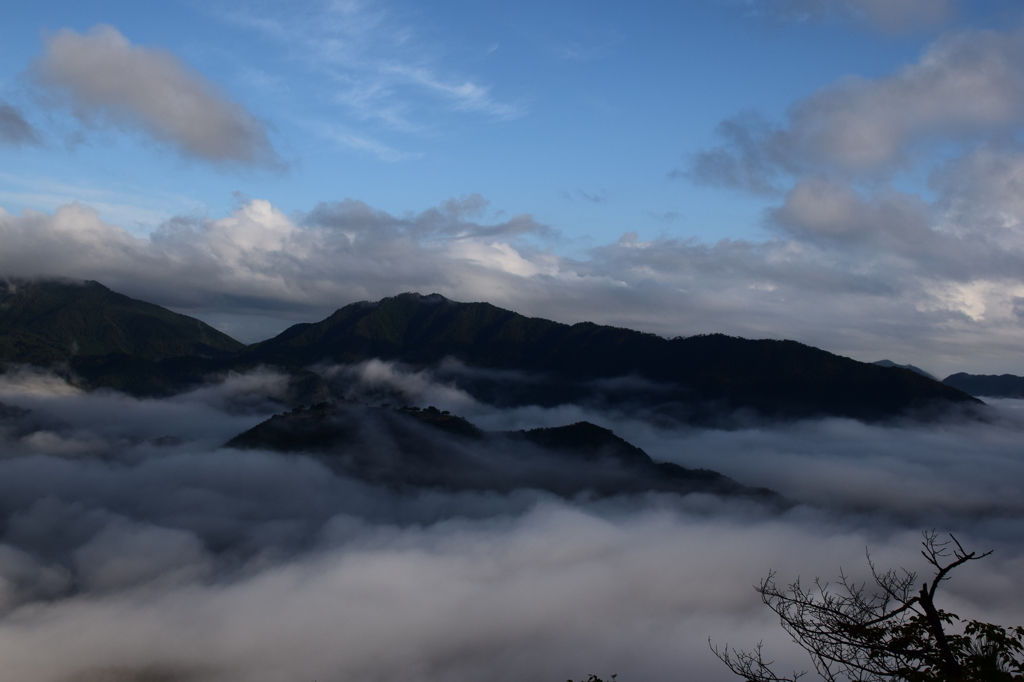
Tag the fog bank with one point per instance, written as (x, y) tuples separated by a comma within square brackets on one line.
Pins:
[(135, 547)]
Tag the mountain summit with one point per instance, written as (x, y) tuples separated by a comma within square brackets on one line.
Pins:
[(564, 362), (412, 449), (498, 356)]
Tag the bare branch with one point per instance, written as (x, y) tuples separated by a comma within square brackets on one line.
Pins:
[(892, 632)]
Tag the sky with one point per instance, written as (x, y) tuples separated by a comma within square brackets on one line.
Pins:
[(845, 173)]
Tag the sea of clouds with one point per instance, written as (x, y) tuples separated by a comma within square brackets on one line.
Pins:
[(136, 548)]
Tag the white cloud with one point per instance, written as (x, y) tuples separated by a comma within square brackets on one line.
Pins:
[(132, 207), (376, 65), (966, 87), (952, 256), (872, 276), (352, 140), (107, 81)]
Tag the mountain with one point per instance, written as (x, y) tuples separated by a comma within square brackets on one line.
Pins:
[(47, 322), (411, 449), (996, 386), (105, 339), (547, 362), (912, 368)]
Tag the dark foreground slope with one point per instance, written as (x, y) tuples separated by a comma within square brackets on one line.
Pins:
[(45, 322), (989, 385), (106, 338), (410, 449), (774, 378)]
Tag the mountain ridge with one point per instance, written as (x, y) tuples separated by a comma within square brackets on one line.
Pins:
[(111, 340), (772, 377), (49, 321), (912, 368), (989, 385), (415, 449)]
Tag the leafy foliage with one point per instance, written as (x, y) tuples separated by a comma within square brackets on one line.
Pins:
[(893, 632)]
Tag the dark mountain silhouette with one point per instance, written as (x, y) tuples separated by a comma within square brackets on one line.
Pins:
[(996, 386), (694, 377), (105, 339), (912, 368), (409, 449), (45, 322)]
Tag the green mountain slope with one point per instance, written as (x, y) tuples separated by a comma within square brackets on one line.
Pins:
[(111, 340), (47, 322), (771, 377), (427, 448), (989, 385)]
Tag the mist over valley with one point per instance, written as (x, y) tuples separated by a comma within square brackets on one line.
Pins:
[(406, 525)]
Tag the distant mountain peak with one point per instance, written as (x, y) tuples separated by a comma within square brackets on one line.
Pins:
[(700, 377), (988, 385), (425, 298), (912, 368), (456, 455)]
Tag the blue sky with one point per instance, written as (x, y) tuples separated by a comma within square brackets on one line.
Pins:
[(588, 107), (571, 137)]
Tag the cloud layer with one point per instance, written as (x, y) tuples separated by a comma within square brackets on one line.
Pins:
[(966, 87), (135, 548), (913, 174), (875, 276), (109, 82)]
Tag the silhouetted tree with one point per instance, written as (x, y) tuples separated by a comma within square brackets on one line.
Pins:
[(892, 632)]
